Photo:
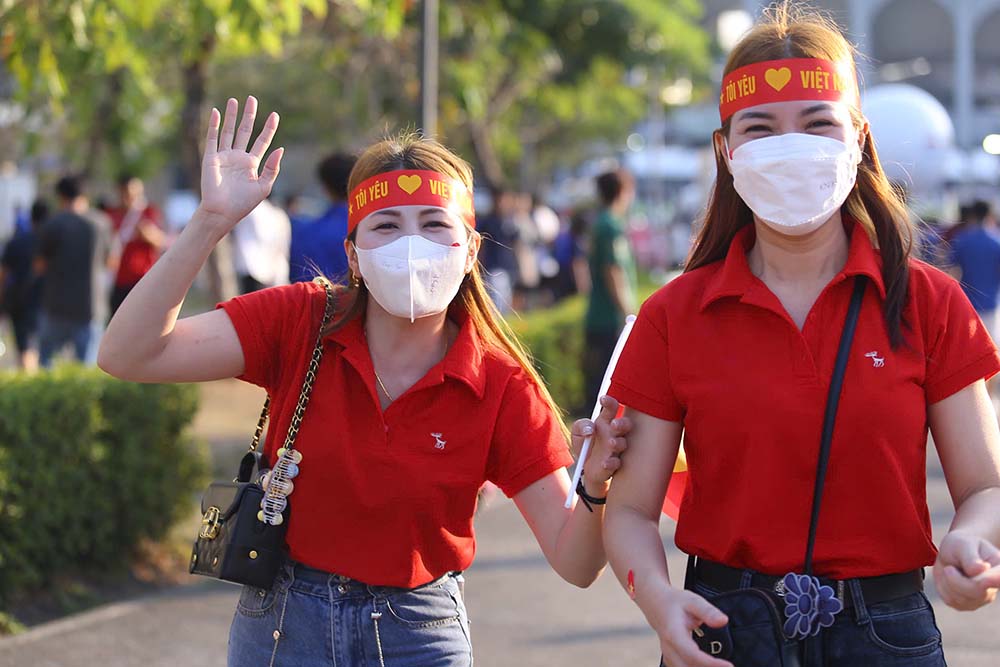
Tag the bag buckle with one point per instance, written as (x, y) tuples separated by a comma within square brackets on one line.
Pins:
[(210, 524)]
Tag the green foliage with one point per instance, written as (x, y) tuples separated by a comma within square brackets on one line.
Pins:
[(525, 85), (555, 338), (89, 467)]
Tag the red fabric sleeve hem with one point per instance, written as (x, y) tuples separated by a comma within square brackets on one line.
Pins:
[(983, 368), (645, 404), (534, 471), (249, 341)]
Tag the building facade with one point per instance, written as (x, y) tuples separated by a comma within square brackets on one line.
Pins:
[(951, 48)]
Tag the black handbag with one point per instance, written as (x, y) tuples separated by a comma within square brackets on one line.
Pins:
[(235, 543), (755, 635)]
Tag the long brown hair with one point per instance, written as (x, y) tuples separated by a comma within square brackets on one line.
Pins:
[(790, 31), (412, 151)]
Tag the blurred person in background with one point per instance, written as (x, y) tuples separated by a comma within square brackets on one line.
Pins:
[(317, 246), (497, 252), (21, 287), (975, 255), (260, 248), (612, 276), (137, 239), (74, 256), (570, 251)]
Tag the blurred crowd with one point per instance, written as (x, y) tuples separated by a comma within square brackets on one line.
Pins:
[(72, 260)]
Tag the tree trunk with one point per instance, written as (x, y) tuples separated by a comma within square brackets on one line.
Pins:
[(486, 155), (103, 120), (219, 268)]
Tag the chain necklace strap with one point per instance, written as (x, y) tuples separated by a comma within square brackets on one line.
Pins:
[(286, 467)]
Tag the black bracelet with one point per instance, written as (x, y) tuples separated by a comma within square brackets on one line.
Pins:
[(587, 499)]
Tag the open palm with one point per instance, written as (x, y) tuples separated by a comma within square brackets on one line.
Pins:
[(231, 186)]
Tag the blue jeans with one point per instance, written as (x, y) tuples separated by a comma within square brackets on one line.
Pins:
[(311, 618), (898, 633), (54, 333)]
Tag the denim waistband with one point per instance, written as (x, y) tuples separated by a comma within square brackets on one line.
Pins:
[(326, 584)]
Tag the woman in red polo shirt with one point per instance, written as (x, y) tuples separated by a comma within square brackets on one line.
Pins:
[(738, 352), (422, 395)]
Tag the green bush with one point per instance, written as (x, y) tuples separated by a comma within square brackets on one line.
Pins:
[(89, 467), (555, 337)]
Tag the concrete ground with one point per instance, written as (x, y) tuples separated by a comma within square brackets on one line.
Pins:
[(522, 613)]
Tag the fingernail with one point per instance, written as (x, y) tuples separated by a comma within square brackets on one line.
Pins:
[(588, 430)]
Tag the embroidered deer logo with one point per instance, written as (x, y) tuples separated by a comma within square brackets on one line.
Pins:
[(877, 361), (440, 443)]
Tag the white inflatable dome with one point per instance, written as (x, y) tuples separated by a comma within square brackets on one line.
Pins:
[(914, 135)]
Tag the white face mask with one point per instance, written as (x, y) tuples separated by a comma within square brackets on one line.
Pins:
[(413, 277), (794, 182)]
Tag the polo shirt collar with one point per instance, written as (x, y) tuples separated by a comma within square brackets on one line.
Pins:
[(463, 361), (734, 278)]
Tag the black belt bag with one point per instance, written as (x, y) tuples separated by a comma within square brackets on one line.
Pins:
[(759, 634), (237, 542)]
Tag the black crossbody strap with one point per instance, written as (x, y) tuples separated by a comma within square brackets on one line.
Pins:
[(830, 416)]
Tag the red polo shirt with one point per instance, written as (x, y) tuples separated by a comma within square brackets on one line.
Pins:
[(138, 255), (388, 498), (716, 351)]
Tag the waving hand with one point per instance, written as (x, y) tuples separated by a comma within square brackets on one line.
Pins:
[(232, 182)]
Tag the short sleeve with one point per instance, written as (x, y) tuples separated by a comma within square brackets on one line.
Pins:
[(528, 443), (642, 377), (959, 348), (263, 320)]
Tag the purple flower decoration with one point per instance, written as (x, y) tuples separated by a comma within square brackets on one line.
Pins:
[(809, 606)]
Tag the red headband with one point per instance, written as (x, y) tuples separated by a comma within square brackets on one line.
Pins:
[(409, 187), (788, 80)]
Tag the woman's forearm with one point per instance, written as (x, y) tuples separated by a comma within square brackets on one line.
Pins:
[(579, 553), (139, 329), (633, 545)]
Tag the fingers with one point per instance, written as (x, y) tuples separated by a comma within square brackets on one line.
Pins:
[(580, 431), (684, 652), (703, 612), (246, 125), (621, 426), (266, 135), (961, 592), (271, 168), (969, 560), (609, 408), (228, 125), (212, 136), (989, 579)]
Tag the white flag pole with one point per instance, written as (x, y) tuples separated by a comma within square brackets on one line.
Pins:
[(605, 385)]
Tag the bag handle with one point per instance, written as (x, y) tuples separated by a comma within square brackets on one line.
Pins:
[(307, 382), (830, 416)]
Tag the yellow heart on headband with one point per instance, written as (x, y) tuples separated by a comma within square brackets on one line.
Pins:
[(778, 78), (409, 183)]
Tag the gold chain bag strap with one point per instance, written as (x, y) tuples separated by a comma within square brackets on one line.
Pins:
[(242, 536)]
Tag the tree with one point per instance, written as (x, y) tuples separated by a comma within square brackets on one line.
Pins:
[(550, 74)]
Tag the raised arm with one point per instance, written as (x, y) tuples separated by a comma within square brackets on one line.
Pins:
[(144, 341), (632, 541)]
